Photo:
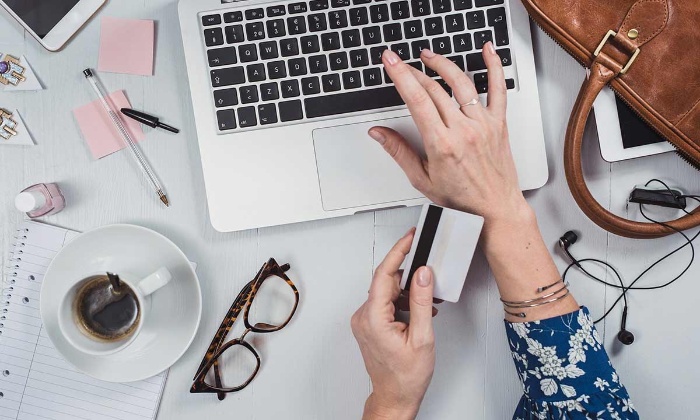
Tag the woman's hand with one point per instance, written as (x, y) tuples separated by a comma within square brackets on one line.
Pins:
[(399, 358), (469, 165)]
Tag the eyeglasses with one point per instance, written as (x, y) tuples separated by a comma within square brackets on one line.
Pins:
[(270, 291)]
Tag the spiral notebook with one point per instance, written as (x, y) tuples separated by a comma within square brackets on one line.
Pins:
[(36, 383)]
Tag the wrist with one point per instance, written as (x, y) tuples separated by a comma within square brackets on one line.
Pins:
[(378, 408), (514, 213)]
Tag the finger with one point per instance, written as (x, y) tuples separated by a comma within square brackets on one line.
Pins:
[(403, 154), (383, 288), (421, 303), (422, 108), (498, 93), (462, 87), (446, 106)]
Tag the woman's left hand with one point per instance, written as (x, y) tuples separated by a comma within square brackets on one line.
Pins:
[(399, 357)]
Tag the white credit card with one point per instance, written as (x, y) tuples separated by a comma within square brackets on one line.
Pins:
[(445, 241)]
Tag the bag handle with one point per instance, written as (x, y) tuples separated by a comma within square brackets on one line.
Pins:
[(600, 75)]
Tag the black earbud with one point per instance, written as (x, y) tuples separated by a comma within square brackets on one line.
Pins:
[(625, 337), (568, 239)]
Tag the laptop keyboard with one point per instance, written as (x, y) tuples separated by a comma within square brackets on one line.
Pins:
[(294, 62)]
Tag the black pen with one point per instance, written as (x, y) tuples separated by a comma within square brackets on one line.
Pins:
[(148, 120)]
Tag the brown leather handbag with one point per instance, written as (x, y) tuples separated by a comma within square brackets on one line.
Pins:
[(648, 51)]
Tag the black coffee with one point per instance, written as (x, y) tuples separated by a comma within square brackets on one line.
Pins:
[(104, 313)]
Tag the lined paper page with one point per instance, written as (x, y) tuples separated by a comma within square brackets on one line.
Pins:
[(36, 383)]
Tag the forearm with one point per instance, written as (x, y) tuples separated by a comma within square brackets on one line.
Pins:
[(375, 409), (521, 262)]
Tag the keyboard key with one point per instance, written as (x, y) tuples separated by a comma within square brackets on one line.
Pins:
[(268, 50), (420, 7), (339, 60), (310, 85), (357, 100), (213, 37), (290, 89), (291, 110), (226, 119), (376, 54), (510, 83), (481, 77), (231, 17), (462, 42), (445, 86), (416, 65), (458, 60), (222, 56), (371, 35), (340, 3), (296, 25), (275, 28), (481, 38), (481, 87), (309, 44), (433, 26), (463, 4), (273, 11), (413, 29), (276, 70), (505, 56), (210, 20), (442, 45), (484, 3), (392, 32), (289, 47), (330, 41), (379, 13), (296, 8), (252, 14), (359, 58), (249, 94), (442, 6), (317, 22), (318, 64), (256, 72), (254, 31), (454, 23), (330, 82), (359, 16), (247, 117), (318, 5), (418, 46), (247, 53), (352, 80), (337, 19), (387, 79), (402, 51), (297, 66), (501, 30), (356, 2), (372, 77), (234, 33), (227, 77), (496, 15), (476, 19), (225, 97), (475, 62), (267, 113), (269, 91), (400, 10), (351, 38)]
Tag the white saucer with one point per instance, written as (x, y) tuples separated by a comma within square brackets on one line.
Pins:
[(175, 313)]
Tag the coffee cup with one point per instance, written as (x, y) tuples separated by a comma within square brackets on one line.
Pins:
[(99, 319)]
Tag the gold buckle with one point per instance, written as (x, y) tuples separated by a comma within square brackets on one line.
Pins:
[(602, 44)]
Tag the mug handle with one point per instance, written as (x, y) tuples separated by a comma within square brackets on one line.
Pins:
[(155, 281)]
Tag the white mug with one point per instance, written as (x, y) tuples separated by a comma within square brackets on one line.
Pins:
[(142, 289)]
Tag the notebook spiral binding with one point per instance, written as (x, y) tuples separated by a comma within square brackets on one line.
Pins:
[(11, 271)]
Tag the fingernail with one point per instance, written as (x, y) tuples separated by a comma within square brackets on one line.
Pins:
[(378, 136), (410, 232), (424, 277), (427, 53), (490, 49), (391, 57)]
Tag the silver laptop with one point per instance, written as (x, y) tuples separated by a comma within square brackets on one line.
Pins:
[(285, 91)]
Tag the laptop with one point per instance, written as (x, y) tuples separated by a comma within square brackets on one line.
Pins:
[(284, 92)]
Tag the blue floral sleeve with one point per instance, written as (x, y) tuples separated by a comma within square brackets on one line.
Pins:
[(565, 371)]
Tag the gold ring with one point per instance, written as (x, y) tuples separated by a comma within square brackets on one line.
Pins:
[(470, 103)]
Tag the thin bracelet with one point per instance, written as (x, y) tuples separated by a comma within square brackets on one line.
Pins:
[(511, 303), (543, 288), (523, 315)]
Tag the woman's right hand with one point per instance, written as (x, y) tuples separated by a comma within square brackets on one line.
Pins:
[(469, 165)]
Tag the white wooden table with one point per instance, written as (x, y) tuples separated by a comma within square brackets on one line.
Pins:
[(313, 369)]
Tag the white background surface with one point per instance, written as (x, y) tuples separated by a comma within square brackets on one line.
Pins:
[(313, 369)]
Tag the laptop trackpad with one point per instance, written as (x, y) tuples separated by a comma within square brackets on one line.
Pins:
[(354, 170)]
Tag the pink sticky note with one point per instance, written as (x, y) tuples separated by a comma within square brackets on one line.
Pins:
[(126, 46), (99, 132)]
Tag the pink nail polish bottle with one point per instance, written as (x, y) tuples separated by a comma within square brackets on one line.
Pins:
[(40, 200)]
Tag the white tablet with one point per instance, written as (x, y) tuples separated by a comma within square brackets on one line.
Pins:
[(52, 22), (622, 134)]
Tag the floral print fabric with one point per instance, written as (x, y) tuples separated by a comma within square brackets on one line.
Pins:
[(565, 371)]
